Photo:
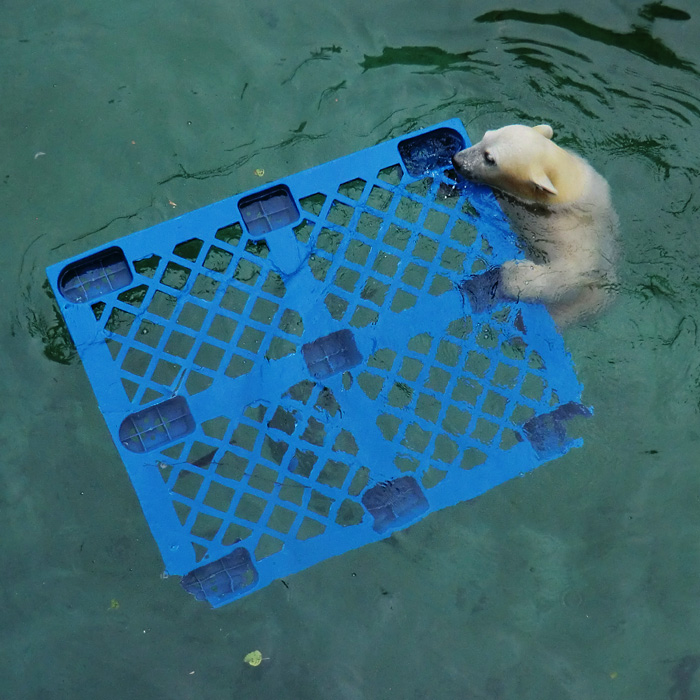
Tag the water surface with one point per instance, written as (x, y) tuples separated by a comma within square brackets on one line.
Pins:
[(577, 582)]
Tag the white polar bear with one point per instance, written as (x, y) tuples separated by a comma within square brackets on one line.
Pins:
[(561, 209)]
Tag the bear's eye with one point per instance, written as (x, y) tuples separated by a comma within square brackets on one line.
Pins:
[(489, 158)]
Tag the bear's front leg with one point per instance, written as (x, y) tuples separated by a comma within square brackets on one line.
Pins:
[(527, 281)]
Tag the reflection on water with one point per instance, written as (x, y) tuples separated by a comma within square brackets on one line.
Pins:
[(639, 40), (431, 56), (49, 326)]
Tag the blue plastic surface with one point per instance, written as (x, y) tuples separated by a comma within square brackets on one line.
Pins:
[(268, 211), (92, 277), (294, 372)]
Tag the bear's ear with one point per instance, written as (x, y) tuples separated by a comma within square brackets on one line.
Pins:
[(542, 182), (545, 130)]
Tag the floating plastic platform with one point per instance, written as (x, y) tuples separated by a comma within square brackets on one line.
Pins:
[(295, 372)]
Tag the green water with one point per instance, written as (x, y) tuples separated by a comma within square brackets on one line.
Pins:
[(579, 582)]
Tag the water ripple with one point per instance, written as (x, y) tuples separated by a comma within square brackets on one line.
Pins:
[(638, 40)]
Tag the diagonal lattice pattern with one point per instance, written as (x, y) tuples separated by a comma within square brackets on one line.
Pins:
[(293, 373)]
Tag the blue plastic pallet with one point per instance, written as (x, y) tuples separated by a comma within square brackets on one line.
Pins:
[(295, 372)]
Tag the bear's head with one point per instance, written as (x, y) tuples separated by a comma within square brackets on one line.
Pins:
[(515, 159)]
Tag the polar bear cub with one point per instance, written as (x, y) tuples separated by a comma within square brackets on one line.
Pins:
[(561, 209)]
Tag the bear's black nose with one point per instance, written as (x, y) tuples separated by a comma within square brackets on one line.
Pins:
[(459, 166)]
